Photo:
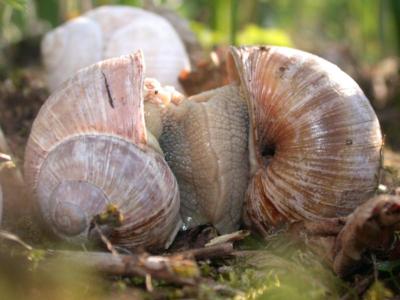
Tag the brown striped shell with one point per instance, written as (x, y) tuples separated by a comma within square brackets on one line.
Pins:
[(315, 141), (88, 148)]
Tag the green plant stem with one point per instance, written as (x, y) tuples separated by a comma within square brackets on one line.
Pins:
[(233, 27)]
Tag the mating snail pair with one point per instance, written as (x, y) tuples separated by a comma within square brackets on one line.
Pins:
[(292, 138)]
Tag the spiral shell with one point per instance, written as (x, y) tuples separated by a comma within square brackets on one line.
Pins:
[(315, 141), (88, 149), (111, 31)]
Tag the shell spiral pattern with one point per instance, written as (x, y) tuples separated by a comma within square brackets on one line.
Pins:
[(315, 140), (88, 148)]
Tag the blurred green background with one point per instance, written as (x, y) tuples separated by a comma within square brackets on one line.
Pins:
[(370, 28), (360, 36)]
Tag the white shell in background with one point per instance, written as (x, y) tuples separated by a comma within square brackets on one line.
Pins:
[(68, 48), (111, 31)]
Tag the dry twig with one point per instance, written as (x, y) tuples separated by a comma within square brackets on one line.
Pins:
[(220, 250), (159, 267)]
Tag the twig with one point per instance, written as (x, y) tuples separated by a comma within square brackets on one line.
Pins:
[(158, 267), (12, 237), (149, 283), (231, 237), (177, 268), (105, 240), (219, 250)]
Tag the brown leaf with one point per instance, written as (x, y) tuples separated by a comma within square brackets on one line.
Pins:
[(369, 228), (207, 74)]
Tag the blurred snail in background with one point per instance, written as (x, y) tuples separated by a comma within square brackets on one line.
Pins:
[(111, 31), (89, 149), (291, 138)]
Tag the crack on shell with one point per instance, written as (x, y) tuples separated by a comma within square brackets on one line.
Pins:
[(110, 99)]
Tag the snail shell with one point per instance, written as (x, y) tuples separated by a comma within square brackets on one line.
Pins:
[(293, 130), (89, 149), (111, 31), (315, 142)]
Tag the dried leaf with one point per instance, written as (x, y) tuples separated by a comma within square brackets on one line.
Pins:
[(370, 227), (206, 74)]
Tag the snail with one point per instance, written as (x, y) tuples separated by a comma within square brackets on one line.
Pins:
[(111, 31), (292, 134), (89, 149), (315, 141), (292, 137)]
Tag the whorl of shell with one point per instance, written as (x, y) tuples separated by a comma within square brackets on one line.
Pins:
[(315, 142), (88, 149), (111, 31)]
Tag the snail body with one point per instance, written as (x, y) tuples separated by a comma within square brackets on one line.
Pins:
[(111, 31), (89, 149), (205, 141), (314, 143)]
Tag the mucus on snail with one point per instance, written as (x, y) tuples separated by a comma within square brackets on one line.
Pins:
[(291, 138)]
